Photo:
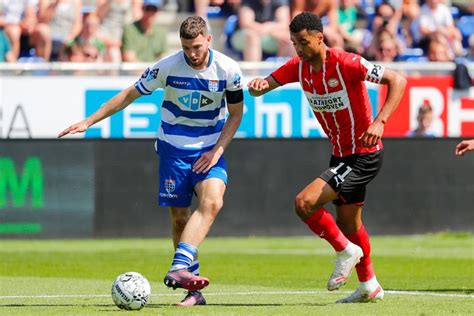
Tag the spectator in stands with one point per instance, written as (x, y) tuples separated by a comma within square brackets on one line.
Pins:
[(434, 17), (61, 20), (388, 49), (389, 40), (6, 54), (425, 120), (327, 10), (81, 53), (263, 28), (438, 48), (347, 18), (17, 17), (410, 9), (88, 38), (386, 17), (114, 15), (143, 41), (226, 7), (470, 52)]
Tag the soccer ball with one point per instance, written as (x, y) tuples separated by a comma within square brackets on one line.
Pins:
[(131, 291)]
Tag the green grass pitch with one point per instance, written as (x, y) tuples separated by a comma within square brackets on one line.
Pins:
[(422, 275)]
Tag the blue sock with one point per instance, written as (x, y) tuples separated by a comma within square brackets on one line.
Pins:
[(194, 267), (183, 256)]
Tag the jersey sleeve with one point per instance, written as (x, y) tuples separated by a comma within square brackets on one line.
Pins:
[(234, 78), (152, 78), (360, 69), (288, 72)]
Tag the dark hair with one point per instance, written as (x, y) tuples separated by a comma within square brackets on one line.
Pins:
[(306, 21), (192, 27)]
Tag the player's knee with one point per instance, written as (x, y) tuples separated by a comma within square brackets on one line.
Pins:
[(303, 207), (212, 206)]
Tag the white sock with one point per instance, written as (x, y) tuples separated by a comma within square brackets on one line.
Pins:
[(350, 249), (370, 285)]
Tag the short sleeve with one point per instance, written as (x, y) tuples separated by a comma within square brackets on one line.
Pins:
[(288, 72), (360, 69), (234, 78), (152, 78)]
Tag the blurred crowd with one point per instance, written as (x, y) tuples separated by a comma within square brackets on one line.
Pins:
[(255, 30)]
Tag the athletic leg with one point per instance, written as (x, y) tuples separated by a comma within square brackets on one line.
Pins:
[(179, 218), (349, 220), (210, 194), (308, 206)]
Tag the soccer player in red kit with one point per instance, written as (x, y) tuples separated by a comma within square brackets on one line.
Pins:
[(333, 82)]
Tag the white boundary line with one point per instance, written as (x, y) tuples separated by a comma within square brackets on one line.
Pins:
[(414, 293)]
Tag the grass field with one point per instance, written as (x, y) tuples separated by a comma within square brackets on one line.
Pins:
[(422, 275)]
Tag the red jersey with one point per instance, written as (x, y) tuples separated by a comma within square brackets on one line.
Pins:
[(338, 96)]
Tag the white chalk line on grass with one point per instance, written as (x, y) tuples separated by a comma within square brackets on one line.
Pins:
[(414, 293)]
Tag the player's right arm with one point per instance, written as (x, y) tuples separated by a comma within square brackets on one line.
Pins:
[(117, 103), (285, 74), (259, 86)]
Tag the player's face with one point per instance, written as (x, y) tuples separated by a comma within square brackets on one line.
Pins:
[(307, 44), (197, 50)]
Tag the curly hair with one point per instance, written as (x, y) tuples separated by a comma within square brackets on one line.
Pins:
[(192, 27), (306, 21)]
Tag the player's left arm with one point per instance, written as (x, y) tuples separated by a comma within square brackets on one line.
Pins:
[(236, 110), (395, 86)]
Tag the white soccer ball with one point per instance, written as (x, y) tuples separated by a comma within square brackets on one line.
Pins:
[(131, 291)]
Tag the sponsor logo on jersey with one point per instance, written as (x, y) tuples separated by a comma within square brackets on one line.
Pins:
[(213, 85), (195, 100), (153, 74), (331, 102), (180, 83), (333, 82)]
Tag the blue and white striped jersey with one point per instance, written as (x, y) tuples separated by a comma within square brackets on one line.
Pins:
[(194, 110)]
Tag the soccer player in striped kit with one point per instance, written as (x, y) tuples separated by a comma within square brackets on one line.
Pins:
[(200, 86), (333, 82)]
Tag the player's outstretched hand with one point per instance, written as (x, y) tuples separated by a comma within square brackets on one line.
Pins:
[(76, 128), (372, 135), (464, 146), (257, 85), (207, 161)]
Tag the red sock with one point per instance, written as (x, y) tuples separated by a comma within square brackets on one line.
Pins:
[(364, 268), (322, 224)]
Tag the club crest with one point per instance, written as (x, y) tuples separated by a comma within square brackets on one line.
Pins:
[(170, 185), (333, 82), (213, 85)]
